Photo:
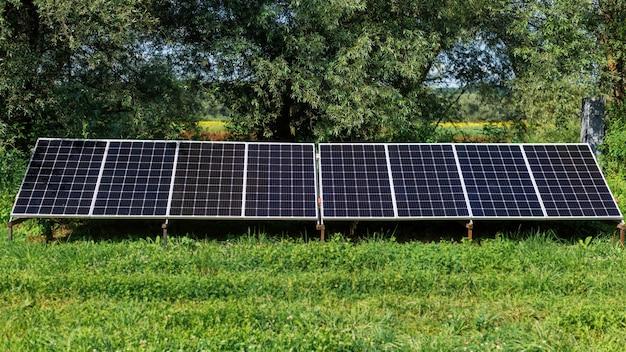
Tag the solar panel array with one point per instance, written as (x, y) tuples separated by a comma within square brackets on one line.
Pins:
[(470, 181), (169, 179)]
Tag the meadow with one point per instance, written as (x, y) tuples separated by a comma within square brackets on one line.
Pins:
[(534, 293)]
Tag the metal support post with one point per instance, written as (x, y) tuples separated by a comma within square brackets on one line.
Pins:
[(12, 222), (164, 227), (621, 228), (470, 228), (320, 221), (322, 229), (10, 226)]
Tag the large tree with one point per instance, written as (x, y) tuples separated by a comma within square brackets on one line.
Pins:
[(326, 70)]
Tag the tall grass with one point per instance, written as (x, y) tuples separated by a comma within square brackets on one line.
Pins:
[(250, 294)]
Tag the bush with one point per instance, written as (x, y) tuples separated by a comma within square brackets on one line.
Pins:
[(12, 167), (614, 153)]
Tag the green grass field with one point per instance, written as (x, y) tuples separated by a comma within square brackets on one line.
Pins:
[(534, 294)]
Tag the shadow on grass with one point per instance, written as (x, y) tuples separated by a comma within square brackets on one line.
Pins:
[(405, 231)]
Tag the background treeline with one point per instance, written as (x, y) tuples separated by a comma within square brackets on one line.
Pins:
[(307, 70)]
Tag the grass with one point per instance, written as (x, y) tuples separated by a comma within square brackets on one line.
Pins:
[(260, 294)]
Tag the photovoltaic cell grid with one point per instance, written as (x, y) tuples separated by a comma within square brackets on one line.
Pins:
[(281, 180), (426, 181), (569, 181), (497, 181), (208, 180), (61, 178), (355, 181), (136, 179)]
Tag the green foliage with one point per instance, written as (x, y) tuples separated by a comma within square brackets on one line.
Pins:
[(553, 53), (279, 295), (12, 168), (357, 70), (614, 153), (88, 69)]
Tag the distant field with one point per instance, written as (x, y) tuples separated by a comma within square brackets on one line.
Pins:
[(212, 125), (529, 295), (460, 130)]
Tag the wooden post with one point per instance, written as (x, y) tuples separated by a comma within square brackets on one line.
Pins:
[(592, 122), (621, 228), (10, 226)]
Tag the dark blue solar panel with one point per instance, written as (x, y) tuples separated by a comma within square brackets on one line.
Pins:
[(61, 178), (136, 179), (426, 180), (209, 179), (497, 181), (280, 180), (570, 182), (355, 181)]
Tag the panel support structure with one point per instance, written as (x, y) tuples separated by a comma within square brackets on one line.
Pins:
[(245, 180), (458, 168), (622, 228), (322, 229), (532, 179), (12, 222), (164, 228), (318, 193), (97, 188), (10, 231), (393, 188), (470, 230), (169, 197)]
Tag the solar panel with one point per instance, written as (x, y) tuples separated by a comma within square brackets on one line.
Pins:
[(281, 180), (61, 178), (426, 181), (570, 181), (497, 181), (167, 179), (355, 181), (209, 179), (136, 179)]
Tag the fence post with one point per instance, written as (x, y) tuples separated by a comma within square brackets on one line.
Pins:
[(592, 122)]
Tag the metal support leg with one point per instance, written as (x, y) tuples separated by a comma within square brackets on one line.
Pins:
[(322, 229), (352, 229), (12, 222), (621, 228), (470, 228), (164, 227)]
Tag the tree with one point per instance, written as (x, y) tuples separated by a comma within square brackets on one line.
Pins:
[(348, 70), (87, 69)]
